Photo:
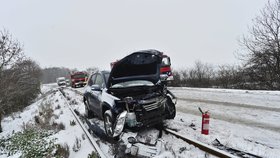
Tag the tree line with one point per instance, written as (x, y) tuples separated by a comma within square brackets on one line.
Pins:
[(204, 75)]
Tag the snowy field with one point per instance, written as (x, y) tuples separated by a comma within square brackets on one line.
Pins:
[(240, 119)]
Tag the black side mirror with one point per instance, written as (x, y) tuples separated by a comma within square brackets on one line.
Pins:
[(96, 87)]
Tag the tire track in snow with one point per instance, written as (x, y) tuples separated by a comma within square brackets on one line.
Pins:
[(255, 107), (231, 119)]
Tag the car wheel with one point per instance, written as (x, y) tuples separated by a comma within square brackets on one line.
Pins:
[(88, 112), (109, 123), (170, 109)]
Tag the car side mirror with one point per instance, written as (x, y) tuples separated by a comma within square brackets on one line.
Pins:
[(95, 87)]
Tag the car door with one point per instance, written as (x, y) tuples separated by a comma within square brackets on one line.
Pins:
[(97, 94), (89, 93)]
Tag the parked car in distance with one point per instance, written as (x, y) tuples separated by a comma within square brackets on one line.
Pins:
[(131, 95), (67, 82), (79, 79), (61, 81)]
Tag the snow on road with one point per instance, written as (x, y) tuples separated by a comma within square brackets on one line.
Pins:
[(270, 99), (232, 105), (241, 119)]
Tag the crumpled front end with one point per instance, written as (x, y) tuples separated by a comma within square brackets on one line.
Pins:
[(143, 112), (137, 113)]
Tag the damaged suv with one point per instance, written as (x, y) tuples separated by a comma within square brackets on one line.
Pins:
[(131, 95)]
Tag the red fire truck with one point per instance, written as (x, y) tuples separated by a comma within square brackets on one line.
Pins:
[(79, 79), (166, 67)]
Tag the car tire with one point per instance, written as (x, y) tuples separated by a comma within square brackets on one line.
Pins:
[(88, 113), (109, 123), (170, 109)]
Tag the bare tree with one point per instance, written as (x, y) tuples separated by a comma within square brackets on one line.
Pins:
[(19, 77), (201, 75), (10, 50), (225, 76), (179, 77), (20, 84), (263, 45)]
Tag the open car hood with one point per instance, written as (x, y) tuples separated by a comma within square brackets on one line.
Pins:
[(142, 65)]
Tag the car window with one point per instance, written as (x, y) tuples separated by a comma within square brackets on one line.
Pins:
[(91, 80), (99, 80)]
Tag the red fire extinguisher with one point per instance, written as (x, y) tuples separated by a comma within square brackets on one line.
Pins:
[(205, 122)]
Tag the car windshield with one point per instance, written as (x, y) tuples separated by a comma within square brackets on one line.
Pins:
[(133, 84), (165, 61)]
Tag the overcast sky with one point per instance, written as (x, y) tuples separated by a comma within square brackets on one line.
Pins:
[(90, 33)]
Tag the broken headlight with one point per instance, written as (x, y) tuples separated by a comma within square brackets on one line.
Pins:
[(119, 124)]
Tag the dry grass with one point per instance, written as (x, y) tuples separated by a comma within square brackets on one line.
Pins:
[(77, 146), (45, 119), (62, 151)]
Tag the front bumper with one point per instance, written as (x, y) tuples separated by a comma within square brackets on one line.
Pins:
[(150, 118), (145, 114), (150, 114)]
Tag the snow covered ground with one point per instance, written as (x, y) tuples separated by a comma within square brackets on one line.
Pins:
[(241, 119), (246, 120), (168, 145), (53, 99)]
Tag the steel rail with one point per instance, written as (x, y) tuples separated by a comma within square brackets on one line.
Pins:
[(205, 147), (92, 141)]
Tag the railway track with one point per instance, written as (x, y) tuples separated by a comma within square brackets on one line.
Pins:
[(88, 135), (218, 151)]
